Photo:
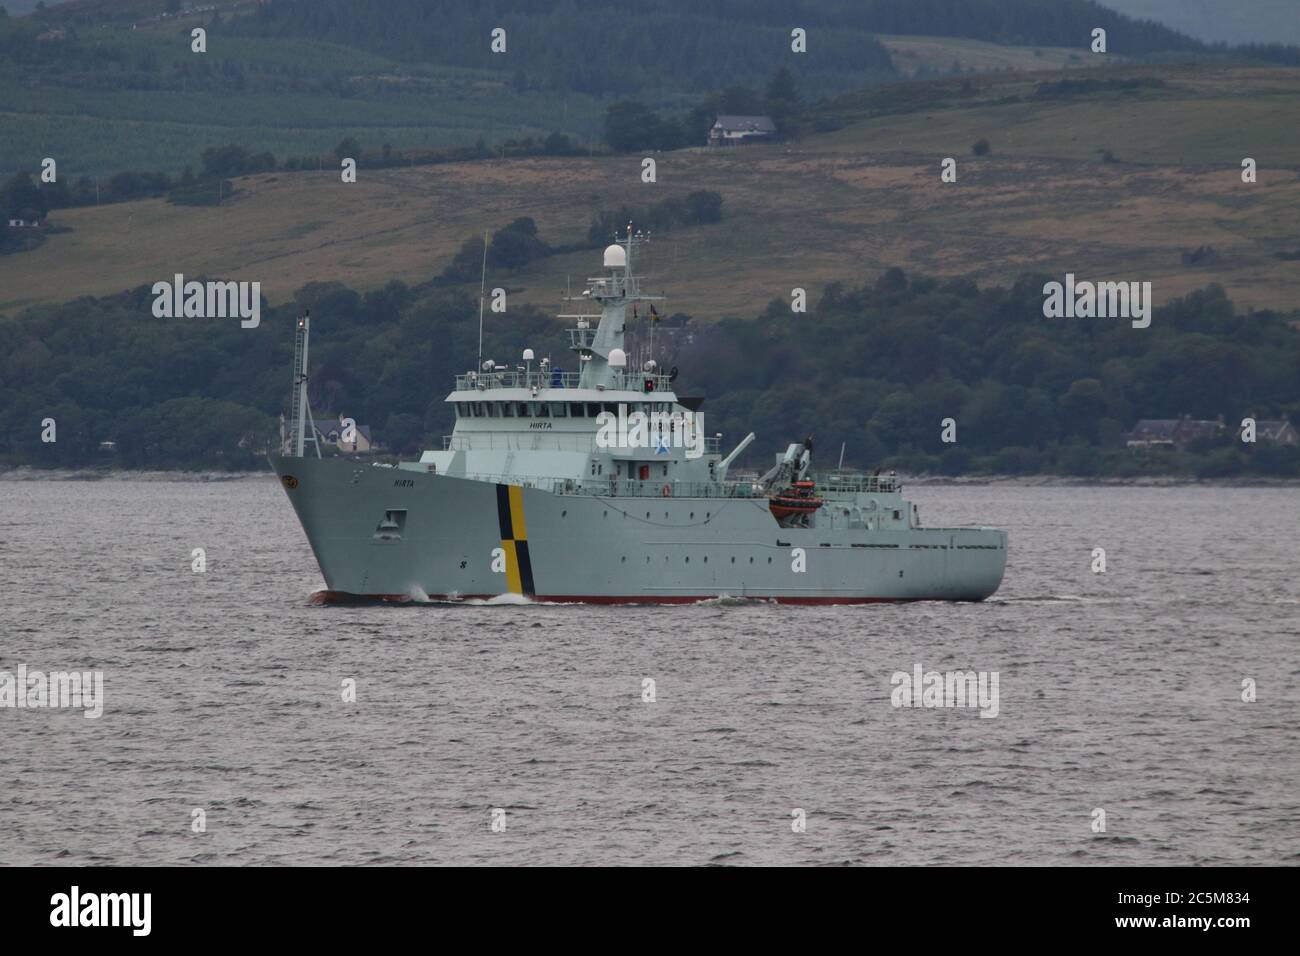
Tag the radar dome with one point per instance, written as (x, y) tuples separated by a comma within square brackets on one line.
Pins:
[(617, 358), (615, 257)]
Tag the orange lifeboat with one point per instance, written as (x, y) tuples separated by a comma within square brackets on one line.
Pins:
[(799, 499)]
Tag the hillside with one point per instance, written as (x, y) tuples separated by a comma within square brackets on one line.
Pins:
[(1216, 21), (112, 85), (925, 57), (841, 205)]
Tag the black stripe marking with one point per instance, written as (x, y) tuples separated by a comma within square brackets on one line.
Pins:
[(525, 567), (503, 511)]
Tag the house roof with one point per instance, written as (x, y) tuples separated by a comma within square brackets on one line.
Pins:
[(1173, 429), (1155, 429), (1188, 429), (1272, 430), (745, 124), (332, 424)]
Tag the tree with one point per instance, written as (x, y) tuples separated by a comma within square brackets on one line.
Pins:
[(781, 87), (557, 144), (21, 193), (347, 148), (516, 245), (630, 125), (740, 100), (466, 263), (704, 206)]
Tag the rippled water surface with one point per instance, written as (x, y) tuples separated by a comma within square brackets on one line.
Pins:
[(1119, 691)]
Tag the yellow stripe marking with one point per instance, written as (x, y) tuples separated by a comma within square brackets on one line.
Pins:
[(518, 528), (513, 581)]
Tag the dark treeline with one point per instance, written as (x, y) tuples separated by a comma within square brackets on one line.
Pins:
[(600, 47), (877, 367), (610, 47), (26, 196), (881, 365), (625, 46)]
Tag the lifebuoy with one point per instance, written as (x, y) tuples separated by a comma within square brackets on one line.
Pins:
[(668, 491)]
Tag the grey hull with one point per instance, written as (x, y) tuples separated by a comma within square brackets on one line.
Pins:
[(400, 533)]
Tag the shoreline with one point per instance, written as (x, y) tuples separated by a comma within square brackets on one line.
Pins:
[(27, 473)]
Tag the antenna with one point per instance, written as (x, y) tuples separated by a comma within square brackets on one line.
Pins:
[(840, 466), (482, 290), (299, 408)]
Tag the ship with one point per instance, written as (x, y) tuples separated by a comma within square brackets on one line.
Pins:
[(598, 484)]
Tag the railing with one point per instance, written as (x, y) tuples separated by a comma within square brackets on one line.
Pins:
[(624, 487), (551, 441), (853, 481), (555, 378), (652, 488)]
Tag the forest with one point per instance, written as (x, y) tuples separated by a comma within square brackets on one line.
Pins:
[(875, 365)]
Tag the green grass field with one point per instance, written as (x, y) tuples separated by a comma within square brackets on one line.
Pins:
[(840, 206)]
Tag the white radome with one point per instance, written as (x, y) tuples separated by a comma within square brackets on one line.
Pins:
[(615, 257)]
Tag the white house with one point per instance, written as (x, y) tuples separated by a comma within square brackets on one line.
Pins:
[(736, 130)]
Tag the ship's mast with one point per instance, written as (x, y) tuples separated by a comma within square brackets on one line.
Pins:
[(300, 409), (613, 291), (482, 290)]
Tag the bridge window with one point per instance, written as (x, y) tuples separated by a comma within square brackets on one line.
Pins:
[(508, 409), (523, 409), (593, 409), (492, 410), (559, 410), (575, 410), (543, 410)]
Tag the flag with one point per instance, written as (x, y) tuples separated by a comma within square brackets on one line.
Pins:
[(654, 316)]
